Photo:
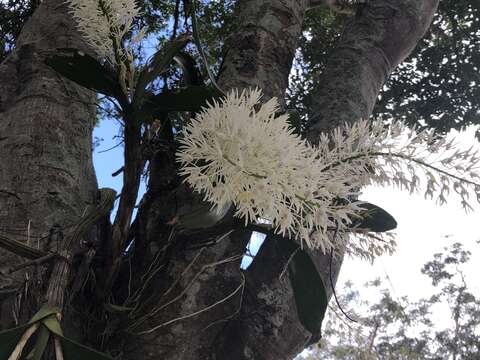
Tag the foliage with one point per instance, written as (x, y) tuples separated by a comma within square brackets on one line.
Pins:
[(439, 84), (436, 87), (13, 14), (393, 328), (33, 337), (303, 203)]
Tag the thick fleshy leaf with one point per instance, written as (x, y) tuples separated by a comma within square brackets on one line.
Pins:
[(40, 343), (309, 291), (112, 308), (191, 98), (9, 339), (71, 349), (51, 323), (75, 351), (158, 64), (44, 312), (85, 70), (375, 219)]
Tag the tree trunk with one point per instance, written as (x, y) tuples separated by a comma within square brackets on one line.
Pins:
[(188, 297), (46, 174)]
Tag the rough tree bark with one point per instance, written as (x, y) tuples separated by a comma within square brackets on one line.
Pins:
[(46, 174), (190, 299)]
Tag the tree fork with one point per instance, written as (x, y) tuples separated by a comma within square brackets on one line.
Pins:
[(387, 27), (200, 300)]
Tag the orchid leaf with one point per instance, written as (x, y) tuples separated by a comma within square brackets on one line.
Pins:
[(85, 71)]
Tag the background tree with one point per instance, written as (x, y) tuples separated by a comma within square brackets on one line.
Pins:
[(393, 328), (435, 87), (188, 287)]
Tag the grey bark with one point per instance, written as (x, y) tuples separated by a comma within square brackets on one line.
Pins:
[(190, 298), (46, 172)]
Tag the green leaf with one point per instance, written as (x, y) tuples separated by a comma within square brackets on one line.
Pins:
[(309, 291), (71, 349), (191, 98), (40, 344), (44, 312), (9, 339), (295, 121), (158, 64), (52, 324), (375, 219), (75, 351), (85, 71), (112, 308)]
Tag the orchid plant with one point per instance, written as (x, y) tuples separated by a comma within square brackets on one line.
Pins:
[(236, 150), (233, 153)]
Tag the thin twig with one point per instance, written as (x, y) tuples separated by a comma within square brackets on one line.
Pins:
[(330, 273), (111, 148), (288, 263), (183, 292), (236, 311), (241, 286), (176, 15), (118, 172)]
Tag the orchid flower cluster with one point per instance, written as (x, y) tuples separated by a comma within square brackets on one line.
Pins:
[(237, 151), (104, 25)]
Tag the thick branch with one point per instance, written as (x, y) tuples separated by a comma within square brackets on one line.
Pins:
[(268, 326), (131, 182), (373, 44), (375, 41), (260, 53)]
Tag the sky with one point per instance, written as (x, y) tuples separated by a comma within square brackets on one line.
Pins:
[(424, 228)]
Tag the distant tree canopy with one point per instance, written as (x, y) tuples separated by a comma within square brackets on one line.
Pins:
[(438, 86), (13, 14), (404, 329)]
